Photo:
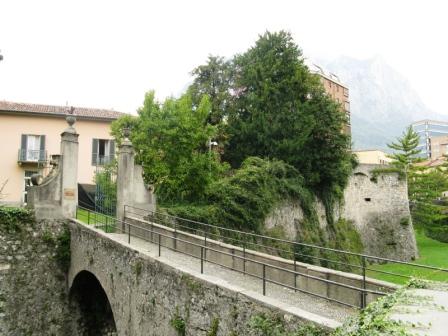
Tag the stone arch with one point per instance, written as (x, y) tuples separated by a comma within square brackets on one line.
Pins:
[(90, 306)]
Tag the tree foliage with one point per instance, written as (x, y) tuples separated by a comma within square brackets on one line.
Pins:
[(170, 140), (425, 186), (213, 79), (405, 147), (429, 209), (281, 111), (269, 115)]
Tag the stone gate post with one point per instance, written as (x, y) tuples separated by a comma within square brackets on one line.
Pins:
[(56, 195), (125, 174), (69, 152)]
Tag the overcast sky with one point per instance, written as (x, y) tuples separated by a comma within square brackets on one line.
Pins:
[(109, 53)]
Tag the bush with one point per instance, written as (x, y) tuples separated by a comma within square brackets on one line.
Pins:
[(438, 232), (243, 201), (63, 253), (15, 219)]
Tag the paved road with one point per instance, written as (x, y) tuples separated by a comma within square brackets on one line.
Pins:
[(303, 301)]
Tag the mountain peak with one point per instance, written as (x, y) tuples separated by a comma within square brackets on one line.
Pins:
[(383, 101)]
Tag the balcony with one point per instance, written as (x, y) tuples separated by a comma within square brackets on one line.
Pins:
[(31, 156), (101, 160)]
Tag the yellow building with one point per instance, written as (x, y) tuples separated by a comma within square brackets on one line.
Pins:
[(29, 133), (372, 156)]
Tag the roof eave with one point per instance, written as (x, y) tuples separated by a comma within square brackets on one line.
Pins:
[(56, 115)]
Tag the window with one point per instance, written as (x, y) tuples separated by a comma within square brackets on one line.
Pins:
[(32, 148), (347, 106), (103, 151), (27, 183)]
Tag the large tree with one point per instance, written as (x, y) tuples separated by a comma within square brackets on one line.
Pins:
[(425, 186), (281, 111), (170, 140), (214, 80), (405, 149)]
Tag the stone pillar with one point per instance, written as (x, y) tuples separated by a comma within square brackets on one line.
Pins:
[(69, 183), (125, 175)]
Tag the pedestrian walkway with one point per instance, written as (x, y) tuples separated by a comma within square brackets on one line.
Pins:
[(311, 304)]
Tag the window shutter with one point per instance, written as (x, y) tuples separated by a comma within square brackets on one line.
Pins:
[(111, 150), (42, 156), (94, 152), (23, 147)]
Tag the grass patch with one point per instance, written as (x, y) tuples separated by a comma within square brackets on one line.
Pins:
[(432, 253), (98, 220)]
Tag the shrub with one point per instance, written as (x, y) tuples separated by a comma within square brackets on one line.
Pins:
[(15, 219)]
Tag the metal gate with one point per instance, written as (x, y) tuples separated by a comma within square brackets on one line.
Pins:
[(105, 189)]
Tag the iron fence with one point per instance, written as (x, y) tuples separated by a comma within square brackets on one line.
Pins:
[(246, 241), (110, 224), (259, 242)]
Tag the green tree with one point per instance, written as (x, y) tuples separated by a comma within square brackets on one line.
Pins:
[(126, 121), (214, 80), (281, 111), (425, 186), (429, 209), (170, 140), (406, 152)]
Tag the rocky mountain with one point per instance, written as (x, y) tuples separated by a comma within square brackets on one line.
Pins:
[(382, 101)]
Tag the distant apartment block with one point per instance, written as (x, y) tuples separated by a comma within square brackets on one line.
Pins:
[(372, 156), (30, 133), (336, 90), (427, 130), (439, 146)]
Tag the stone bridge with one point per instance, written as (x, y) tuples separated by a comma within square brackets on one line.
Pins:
[(128, 290)]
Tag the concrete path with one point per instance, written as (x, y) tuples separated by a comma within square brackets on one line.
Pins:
[(289, 297), (425, 316)]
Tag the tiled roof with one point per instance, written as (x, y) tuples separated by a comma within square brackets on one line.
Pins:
[(82, 112)]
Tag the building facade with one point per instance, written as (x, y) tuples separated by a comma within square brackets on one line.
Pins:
[(30, 133), (428, 129), (439, 146), (372, 156), (336, 90)]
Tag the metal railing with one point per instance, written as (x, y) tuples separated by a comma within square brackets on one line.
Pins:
[(110, 224), (258, 242), (30, 155), (101, 160)]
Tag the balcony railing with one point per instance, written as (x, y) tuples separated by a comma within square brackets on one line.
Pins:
[(31, 155), (100, 160)]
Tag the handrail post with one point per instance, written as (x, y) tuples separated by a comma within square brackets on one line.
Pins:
[(205, 241), (202, 259), (129, 233), (264, 279), (152, 233), (175, 236), (363, 293), (106, 222), (244, 256), (159, 244), (295, 274), (88, 217)]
